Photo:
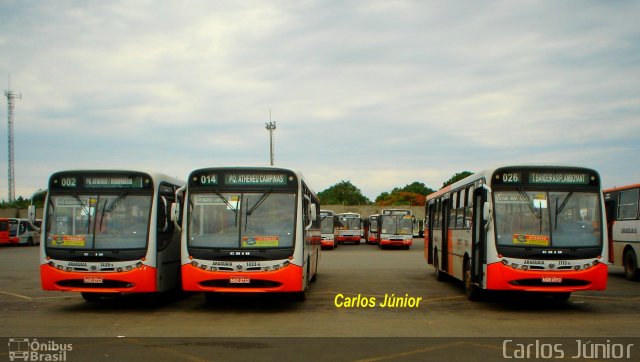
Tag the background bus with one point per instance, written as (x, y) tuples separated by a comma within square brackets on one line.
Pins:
[(21, 232), (396, 228), (106, 232), (4, 230), (329, 228), (418, 228), (623, 225), (249, 229), (521, 228), (373, 236), (350, 228)]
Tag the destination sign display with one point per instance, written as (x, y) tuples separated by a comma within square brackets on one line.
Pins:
[(545, 177), (255, 179), (78, 180)]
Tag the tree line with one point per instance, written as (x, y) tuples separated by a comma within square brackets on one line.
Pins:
[(345, 193)]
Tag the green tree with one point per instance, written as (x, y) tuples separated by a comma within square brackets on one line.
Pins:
[(400, 198), (344, 193), (457, 177), (416, 188)]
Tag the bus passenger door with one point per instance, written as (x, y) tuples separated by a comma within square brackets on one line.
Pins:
[(429, 237), (444, 262), (478, 237)]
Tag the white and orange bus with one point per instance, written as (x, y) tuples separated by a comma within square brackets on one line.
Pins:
[(106, 232), (329, 228), (520, 228), (395, 228), (372, 235), (249, 229), (350, 228), (623, 223)]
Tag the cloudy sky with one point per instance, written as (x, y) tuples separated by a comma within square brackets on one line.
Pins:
[(380, 93)]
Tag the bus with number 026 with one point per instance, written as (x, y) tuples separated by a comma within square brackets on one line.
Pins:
[(249, 230), (106, 232), (520, 228), (623, 224)]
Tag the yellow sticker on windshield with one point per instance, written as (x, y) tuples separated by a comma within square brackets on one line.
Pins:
[(69, 240), (522, 239), (260, 241)]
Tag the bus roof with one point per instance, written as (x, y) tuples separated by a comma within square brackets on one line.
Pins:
[(622, 188)]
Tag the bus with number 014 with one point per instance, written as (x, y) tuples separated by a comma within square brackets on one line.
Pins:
[(249, 230), (520, 228), (107, 232), (623, 224)]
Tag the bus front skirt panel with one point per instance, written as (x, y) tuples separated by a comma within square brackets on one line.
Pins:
[(504, 277), (285, 279), (137, 280)]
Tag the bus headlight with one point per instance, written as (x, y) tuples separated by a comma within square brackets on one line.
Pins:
[(587, 266), (139, 265), (525, 267), (203, 267), (286, 263), (505, 262), (514, 266), (119, 270), (128, 268), (576, 268), (194, 263)]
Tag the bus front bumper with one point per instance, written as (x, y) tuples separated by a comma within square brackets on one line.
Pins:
[(285, 279), (137, 280), (504, 277)]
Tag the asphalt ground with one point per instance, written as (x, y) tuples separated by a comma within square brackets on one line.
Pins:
[(336, 322)]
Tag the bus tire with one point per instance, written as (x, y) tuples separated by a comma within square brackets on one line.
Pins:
[(473, 292), (91, 297), (440, 276), (30, 241), (631, 265)]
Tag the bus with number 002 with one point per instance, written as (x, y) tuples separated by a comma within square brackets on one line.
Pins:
[(520, 228), (395, 228), (623, 224), (249, 230), (107, 232), (350, 228)]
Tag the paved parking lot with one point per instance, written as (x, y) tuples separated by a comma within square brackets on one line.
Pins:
[(443, 321)]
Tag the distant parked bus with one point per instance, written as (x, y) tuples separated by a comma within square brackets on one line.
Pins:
[(623, 226), (520, 228), (329, 227), (350, 228), (107, 232), (249, 230), (418, 228), (396, 228), (21, 232), (4, 230), (373, 237)]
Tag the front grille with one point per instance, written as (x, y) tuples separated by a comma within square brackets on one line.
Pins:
[(254, 283), (79, 283), (537, 282)]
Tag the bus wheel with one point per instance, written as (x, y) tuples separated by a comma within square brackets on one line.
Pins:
[(436, 264), (30, 241), (472, 291), (91, 297), (631, 265)]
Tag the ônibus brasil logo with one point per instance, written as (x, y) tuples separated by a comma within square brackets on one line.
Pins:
[(26, 349)]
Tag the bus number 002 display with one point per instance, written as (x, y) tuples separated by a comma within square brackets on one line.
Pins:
[(68, 182)]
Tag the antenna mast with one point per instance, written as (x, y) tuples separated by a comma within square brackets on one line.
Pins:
[(271, 126), (10, 105)]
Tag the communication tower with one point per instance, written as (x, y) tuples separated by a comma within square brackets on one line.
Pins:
[(271, 126), (10, 105)]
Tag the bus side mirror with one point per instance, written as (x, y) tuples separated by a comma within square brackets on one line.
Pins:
[(486, 211), (314, 214), (31, 214), (175, 212)]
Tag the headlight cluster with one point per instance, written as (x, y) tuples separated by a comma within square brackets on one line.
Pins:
[(119, 269), (203, 266)]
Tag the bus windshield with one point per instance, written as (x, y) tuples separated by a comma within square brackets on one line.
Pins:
[(327, 224), (248, 220), (350, 223), (98, 221), (547, 218), (397, 224)]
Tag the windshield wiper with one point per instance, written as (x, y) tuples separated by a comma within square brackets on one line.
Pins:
[(559, 209), (536, 212), (259, 202), (112, 206), (226, 201)]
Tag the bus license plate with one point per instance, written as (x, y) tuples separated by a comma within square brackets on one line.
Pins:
[(239, 280), (93, 280), (552, 280)]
